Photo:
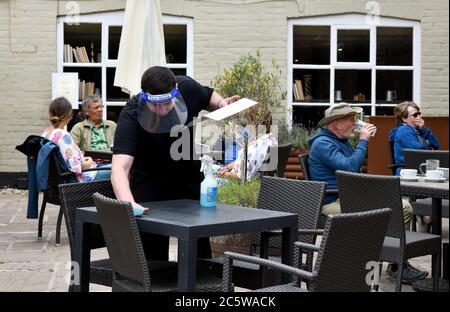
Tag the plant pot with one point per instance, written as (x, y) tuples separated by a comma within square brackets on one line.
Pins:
[(237, 243), (240, 243)]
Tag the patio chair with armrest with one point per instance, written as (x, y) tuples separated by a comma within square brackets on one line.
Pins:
[(58, 174), (78, 195), (304, 198), (366, 192), (304, 164), (393, 166), (131, 271), (413, 159), (342, 255), (46, 170)]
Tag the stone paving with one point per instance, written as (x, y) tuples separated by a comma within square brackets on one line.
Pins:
[(28, 264)]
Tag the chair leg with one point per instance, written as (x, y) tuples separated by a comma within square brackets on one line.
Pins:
[(414, 222), (398, 284), (58, 227), (41, 216)]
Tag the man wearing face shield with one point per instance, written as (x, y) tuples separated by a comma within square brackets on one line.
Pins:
[(143, 168)]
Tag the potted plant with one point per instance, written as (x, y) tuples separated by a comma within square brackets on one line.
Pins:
[(232, 192)]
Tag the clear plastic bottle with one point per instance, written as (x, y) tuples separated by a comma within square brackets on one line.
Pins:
[(208, 188)]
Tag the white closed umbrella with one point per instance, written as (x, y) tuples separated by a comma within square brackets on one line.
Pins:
[(141, 44)]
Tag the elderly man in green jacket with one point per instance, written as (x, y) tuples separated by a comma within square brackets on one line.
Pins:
[(94, 133)]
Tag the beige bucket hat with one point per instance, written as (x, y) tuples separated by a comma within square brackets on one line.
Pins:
[(337, 111)]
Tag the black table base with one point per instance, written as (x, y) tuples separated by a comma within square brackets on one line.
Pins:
[(426, 285)]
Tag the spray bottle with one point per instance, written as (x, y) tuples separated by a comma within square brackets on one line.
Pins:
[(208, 188)]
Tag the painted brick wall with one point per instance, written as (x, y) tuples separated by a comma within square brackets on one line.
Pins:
[(223, 31)]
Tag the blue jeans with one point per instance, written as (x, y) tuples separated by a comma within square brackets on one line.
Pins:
[(103, 174)]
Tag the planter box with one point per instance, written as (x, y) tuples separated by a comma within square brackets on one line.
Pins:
[(239, 243), (293, 169)]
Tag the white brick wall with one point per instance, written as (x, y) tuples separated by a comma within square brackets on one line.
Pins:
[(223, 31)]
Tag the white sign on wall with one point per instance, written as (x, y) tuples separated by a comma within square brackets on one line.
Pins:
[(66, 85)]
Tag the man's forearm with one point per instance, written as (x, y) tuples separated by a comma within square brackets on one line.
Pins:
[(121, 186), (215, 101)]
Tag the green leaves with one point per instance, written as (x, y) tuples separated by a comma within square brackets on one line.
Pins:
[(248, 78), (235, 193)]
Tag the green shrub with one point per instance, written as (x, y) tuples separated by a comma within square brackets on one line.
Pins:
[(235, 193), (248, 78), (297, 136)]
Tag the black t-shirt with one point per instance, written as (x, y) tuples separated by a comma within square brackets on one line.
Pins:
[(154, 174)]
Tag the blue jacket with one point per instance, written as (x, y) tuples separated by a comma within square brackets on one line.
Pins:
[(406, 136), (328, 153), (38, 151)]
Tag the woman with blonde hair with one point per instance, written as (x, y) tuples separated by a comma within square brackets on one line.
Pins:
[(410, 132), (60, 113)]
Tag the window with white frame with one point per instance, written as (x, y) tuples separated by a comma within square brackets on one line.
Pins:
[(98, 36), (343, 58)]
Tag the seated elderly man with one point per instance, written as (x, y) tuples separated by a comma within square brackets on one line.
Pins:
[(329, 150), (94, 133)]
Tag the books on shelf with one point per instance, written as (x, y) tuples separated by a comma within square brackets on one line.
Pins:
[(299, 88), (86, 88), (68, 54), (294, 92), (75, 55)]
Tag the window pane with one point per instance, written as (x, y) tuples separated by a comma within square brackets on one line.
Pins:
[(175, 40), (355, 85), (179, 71), (394, 86), (353, 45), (114, 93), (113, 112), (311, 45), (394, 46), (315, 84), (385, 110), (88, 36), (114, 41)]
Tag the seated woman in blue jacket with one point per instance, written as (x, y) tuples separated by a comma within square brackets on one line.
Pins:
[(410, 132)]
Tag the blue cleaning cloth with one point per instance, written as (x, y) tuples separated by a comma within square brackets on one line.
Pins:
[(138, 211)]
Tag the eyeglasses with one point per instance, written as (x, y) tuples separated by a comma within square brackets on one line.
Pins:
[(415, 115)]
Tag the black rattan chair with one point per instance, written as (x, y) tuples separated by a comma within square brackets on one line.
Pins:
[(304, 164), (393, 166), (77, 195), (131, 271), (57, 175), (304, 198), (366, 192), (342, 256), (413, 159)]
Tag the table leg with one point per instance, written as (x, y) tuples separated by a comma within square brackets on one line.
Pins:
[(436, 226), (187, 264), (82, 257), (426, 285), (287, 250)]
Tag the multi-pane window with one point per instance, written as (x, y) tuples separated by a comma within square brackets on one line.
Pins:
[(342, 58), (98, 36)]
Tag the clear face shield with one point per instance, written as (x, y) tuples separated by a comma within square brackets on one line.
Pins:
[(160, 113)]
